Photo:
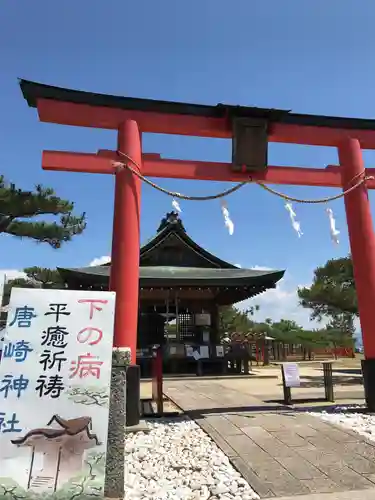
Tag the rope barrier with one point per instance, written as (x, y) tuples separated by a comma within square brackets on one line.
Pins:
[(238, 186), (173, 193)]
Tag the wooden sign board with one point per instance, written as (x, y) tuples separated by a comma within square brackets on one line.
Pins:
[(54, 393)]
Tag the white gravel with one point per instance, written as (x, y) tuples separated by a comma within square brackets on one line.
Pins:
[(176, 460), (363, 423)]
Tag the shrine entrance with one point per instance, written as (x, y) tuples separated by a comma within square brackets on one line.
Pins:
[(250, 130)]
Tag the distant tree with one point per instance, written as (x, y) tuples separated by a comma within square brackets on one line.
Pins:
[(332, 294), (339, 338), (233, 320), (18, 208), (36, 277), (44, 277)]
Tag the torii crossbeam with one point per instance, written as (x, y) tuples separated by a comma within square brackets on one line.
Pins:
[(250, 130)]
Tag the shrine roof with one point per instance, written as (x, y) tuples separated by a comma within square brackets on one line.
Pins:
[(185, 276), (172, 258), (32, 91), (171, 226)]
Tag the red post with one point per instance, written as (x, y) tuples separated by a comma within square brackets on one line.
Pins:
[(362, 239), (124, 278), (157, 378), (362, 245)]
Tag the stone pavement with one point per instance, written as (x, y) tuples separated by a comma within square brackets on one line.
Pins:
[(281, 452), (346, 495)]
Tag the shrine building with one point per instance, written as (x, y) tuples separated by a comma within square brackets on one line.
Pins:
[(182, 287)]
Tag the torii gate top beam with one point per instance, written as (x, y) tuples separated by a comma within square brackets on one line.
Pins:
[(86, 109)]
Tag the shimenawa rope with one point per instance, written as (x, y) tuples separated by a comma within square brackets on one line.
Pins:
[(362, 178)]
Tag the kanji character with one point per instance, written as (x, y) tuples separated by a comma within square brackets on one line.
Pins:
[(12, 423), (52, 387), (16, 384), (86, 365), (58, 310), (23, 317), (49, 359), (54, 336), (92, 303), (18, 351), (85, 335)]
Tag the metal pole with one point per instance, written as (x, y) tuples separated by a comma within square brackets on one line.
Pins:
[(167, 316), (177, 317)]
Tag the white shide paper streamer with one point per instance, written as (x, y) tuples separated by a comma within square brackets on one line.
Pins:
[(332, 226), (227, 220), (295, 224), (176, 205)]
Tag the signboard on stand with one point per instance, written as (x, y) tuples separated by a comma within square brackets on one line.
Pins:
[(291, 375), (54, 393)]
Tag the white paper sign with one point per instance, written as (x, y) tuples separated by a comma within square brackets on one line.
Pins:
[(291, 375), (204, 351), (54, 393), (203, 319), (189, 351), (206, 337), (220, 351)]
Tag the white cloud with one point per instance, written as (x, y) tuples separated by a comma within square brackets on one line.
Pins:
[(98, 261), (261, 268), (281, 303)]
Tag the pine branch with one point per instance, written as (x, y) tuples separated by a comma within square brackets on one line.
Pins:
[(52, 233), (16, 204)]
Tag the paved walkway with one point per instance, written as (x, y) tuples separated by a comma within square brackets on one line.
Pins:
[(280, 451), (346, 495)]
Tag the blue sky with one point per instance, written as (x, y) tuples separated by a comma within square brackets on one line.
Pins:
[(308, 56)]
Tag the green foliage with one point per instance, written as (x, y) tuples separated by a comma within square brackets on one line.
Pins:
[(332, 294), (286, 331), (233, 320), (44, 277), (18, 207)]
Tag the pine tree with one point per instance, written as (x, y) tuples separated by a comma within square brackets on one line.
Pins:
[(18, 208), (332, 294)]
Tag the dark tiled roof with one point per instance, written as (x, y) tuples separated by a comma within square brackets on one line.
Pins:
[(174, 228), (33, 91), (186, 275)]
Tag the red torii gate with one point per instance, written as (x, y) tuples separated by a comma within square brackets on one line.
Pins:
[(251, 129)]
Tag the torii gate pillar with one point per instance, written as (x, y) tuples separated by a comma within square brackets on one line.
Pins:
[(362, 245), (124, 279)]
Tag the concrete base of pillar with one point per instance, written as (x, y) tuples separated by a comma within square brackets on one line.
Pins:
[(141, 427), (368, 370), (115, 467)]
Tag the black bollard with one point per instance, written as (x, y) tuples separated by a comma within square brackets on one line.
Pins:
[(328, 381), (133, 395), (368, 372)]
